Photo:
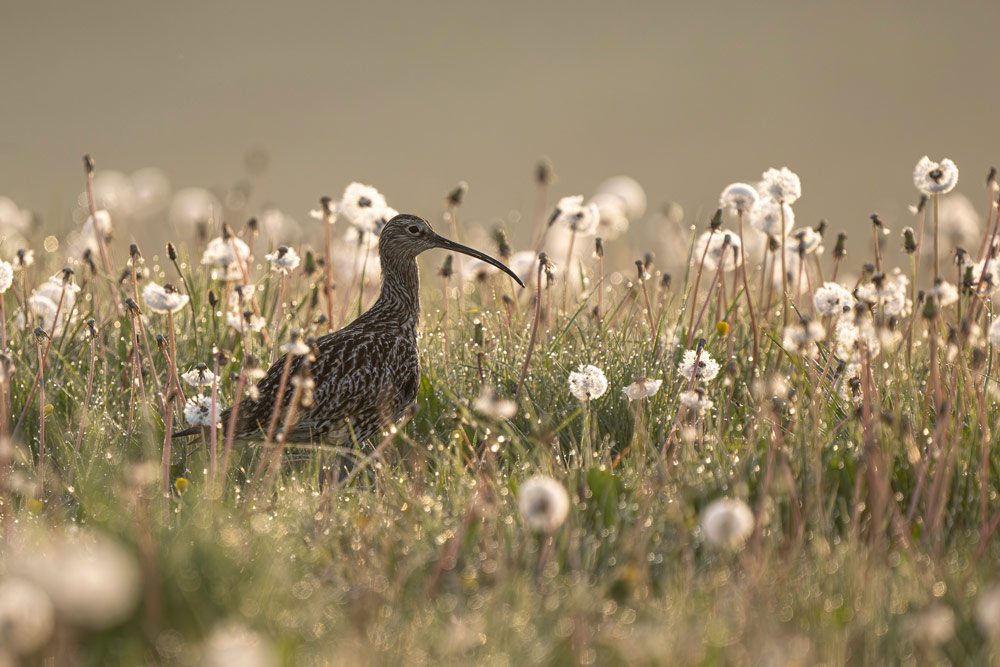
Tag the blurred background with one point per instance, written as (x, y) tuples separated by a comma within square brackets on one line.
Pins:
[(269, 107)]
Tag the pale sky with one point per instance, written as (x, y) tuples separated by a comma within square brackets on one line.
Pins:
[(413, 97)]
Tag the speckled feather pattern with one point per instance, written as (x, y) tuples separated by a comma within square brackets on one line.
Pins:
[(365, 374)]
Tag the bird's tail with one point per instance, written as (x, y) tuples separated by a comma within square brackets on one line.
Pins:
[(194, 430)]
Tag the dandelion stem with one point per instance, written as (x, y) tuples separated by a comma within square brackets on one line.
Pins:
[(328, 266), (276, 314), (749, 298), (213, 424), (86, 407), (165, 460), (276, 411), (41, 417), (231, 425), (784, 271), (534, 329), (697, 282), (937, 271), (569, 261)]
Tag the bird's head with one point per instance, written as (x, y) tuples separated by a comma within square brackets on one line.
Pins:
[(406, 236)]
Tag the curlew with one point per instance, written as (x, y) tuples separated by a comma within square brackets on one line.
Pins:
[(366, 374)]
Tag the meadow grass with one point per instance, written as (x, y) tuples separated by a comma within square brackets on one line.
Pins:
[(869, 471)]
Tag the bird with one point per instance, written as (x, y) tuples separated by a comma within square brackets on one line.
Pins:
[(366, 374)]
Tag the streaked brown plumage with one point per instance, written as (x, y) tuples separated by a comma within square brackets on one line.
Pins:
[(367, 373)]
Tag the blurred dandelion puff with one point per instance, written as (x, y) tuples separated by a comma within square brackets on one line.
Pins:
[(544, 503), (695, 401), (766, 217), (644, 388), (492, 405), (727, 523)]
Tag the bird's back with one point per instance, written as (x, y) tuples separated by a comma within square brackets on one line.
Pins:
[(365, 375)]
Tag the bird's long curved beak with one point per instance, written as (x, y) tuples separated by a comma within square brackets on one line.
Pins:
[(448, 244)]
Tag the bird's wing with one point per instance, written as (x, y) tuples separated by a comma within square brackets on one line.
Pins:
[(356, 388)]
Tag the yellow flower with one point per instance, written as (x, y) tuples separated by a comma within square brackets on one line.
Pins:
[(35, 506), (49, 409), (722, 328), (181, 485)]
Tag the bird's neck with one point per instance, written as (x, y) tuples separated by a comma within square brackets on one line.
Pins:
[(400, 296)]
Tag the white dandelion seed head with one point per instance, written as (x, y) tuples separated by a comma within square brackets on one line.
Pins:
[(707, 367), (524, 263), (245, 321), (23, 259), (64, 281), (477, 270), (628, 191), (849, 335), (93, 581), (612, 215), (198, 411), (6, 276), (740, 198), (194, 209), (573, 214), (544, 503), (44, 306), (27, 617), (781, 185), (945, 293), (588, 383), (14, 220), (644, 388), (958, 222), (766, 217), (987, 275), (804, 241), (363, 207), (695, 401), (283, 259), (275, 224), (848, 387), (802, 336), (232, 643), (994, 334), (296, 346), (199, 376), (935, 178), (151, 187), (719, 247), (727, 523), (491, 404), (890, 294), (833, 300), (161, 300), (114, 191), (240, 295), (43, 310), (227, 255), (99, 221)]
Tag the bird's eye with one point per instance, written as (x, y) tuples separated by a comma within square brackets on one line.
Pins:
[(413, 229)]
